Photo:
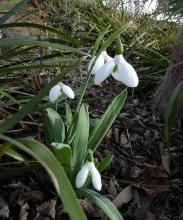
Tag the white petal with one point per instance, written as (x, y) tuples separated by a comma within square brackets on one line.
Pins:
[(54, 93), (119, 59), (103, 72), (98, 64), (127, 74), (116, 75), (96, 177), (82, 176), (67, 91), (107, 58)]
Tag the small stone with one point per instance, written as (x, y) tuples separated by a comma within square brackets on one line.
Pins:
[(123, 140)]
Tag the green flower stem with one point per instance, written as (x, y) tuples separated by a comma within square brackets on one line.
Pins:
[(119, 47)]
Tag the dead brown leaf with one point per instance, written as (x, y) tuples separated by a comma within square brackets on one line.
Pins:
[(123, 197)]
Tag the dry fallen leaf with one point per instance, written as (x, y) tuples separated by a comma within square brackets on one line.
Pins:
[(109, 134), (123, 197), (111, 189)]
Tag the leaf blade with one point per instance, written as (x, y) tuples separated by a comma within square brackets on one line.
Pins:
[(55, 171)]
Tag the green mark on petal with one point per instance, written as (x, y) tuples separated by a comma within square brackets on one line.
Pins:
[(115, 69)]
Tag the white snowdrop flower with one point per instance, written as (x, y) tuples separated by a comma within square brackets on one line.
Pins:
[(82, 175), (101, 60), (1, 35), (89, 167), (120, 69), (54, 93), (58, 90), (67, 90)]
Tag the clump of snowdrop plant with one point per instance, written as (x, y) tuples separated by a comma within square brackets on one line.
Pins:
[(72, 140), (59, 89), (118, 67)]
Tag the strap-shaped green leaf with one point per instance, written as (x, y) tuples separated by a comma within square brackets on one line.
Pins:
[(64, 155), (16, 155), (105, 163), (55, 171), (12, 11), (105, 204), (171, 109), (105, 122), (4, 148), (80, 143), (55, 126)]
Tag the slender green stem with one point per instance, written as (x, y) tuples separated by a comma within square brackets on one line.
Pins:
[(56, 105), (83, 92)]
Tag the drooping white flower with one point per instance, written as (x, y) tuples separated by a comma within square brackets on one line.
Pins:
[(54, 93), (120, 69), (89, 167), (101, 60), (58, 90)]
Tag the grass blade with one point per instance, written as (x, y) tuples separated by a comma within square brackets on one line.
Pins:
[(12, 11), (41, 27), (37, 41)]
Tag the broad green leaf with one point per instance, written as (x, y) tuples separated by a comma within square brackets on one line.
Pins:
[(9, 173), (93, 123), (105, 163), (80, 143), (105, 122), (55, 171), (30, 106), (105, 204), (171, 110), (55, 126), (12, 11), (15, 154), (64, 155)]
